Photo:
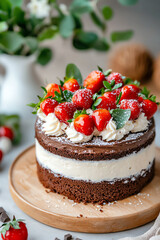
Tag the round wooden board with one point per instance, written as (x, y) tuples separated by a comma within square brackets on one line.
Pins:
[(55, 210)]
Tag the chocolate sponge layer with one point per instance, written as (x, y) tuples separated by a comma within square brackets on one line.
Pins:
[(89, 192), (96, 149)]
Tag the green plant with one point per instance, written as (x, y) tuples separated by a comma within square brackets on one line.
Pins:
[(22, 30)]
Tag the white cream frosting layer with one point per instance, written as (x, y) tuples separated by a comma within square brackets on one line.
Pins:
[(96, 171), (53, 127)]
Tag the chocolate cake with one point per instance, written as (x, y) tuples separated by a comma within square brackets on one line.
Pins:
[(91, 153)]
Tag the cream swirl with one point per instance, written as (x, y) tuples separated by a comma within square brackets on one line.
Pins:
[(75, 136), (41, 115), (140, 124), (111, 133), (53, 126)]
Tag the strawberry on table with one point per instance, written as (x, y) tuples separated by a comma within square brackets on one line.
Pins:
[(84, 124), (130, 92), (82, 98), (6, 132), (48, 105), (94, 81), (65, 111), (108, 101), (133, 105), (71, 85), (117, 77), (1, 155), (51, 88), (14, 230), (101, 118), (149, 108)]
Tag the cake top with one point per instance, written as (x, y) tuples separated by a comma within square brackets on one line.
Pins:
[(105, 104)]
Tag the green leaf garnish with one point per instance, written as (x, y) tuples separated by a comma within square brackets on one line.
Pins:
[(120, 116), (68, 95), (130, 81), (118, 98), (108, 72), (96, 103), (72, 71), (100, 69), (118, 85), (107, 85)]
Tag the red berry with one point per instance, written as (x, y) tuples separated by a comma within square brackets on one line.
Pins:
[(84, 124), (16, 234), (94, 81), (48, 105), (1, 155), (65, 111), (149, 108), (140, 99), (6, 132), (71, 85), (130, 92), (51, 88), (117, 77), (83, 98), (108, 101), (101, 118), (133, 105), (117, 91)]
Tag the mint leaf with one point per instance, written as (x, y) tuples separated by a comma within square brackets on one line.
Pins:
[(107, 12), (108, 72), (120, 116), (118, 98), (107, 85), (72, 71), (118, 85), (68, 95), (100, 69), (96, 103), (145, 92)]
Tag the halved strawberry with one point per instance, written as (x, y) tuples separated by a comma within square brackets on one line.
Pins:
[(65, 111), (84, 124), (133, 105), (71, 85), (117, 77), (130, 92), (6, 132), (82, 98), (48, 105), (101, 118), (149, 108), (51, 88), (108, 101), (94, 81)]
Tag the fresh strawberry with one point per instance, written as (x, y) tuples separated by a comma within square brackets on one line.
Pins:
[(65, 111), (71, 85), (117, 77), (48, 105), (133, 105), (108, 101), (1, 155), (140, 99), (83, 98), (6, 132), (149, 108), (51, 88), (117, 91), (84, 124), (94, 81), (130, 92), (14, 230), (101, 118)]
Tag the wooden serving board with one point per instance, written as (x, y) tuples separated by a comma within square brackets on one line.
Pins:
[(59, 212)]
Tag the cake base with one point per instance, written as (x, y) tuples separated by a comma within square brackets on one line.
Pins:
[(60, 212), (100, 192)]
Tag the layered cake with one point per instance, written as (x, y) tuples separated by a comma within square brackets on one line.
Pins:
[(95, 139)]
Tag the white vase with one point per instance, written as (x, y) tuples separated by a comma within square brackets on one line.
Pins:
[(19, 86)]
